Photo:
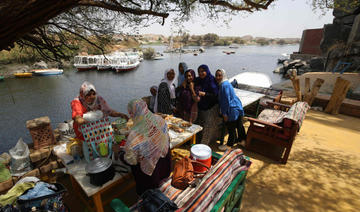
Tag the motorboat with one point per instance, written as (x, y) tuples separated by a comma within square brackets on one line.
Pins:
[(158, 56), (23, 74), (47, 72), (253, 79)]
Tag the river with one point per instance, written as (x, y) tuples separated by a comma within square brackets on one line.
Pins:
[(25, 99)]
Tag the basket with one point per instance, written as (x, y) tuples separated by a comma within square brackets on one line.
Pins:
[(53, 202), (41, 132)]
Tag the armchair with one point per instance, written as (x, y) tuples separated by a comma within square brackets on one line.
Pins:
[(278, 127)]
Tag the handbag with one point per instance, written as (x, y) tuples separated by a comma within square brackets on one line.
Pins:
[(183, 174), (98, 137)]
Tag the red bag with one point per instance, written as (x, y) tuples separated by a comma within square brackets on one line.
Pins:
[(183, 174)]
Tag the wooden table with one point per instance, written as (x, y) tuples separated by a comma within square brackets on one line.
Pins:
[(81, 182)]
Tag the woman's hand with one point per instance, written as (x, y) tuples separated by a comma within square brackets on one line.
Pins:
[(118, 114), (202, 93), (79, 120)]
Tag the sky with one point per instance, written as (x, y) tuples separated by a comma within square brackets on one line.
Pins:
[(285, 19)]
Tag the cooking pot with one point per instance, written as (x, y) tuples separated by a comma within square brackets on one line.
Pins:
[(100, 171)]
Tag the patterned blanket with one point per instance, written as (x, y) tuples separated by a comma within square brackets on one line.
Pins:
[(297, 113), (212, 186)]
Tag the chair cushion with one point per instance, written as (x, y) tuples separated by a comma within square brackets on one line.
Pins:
[(272, 116)]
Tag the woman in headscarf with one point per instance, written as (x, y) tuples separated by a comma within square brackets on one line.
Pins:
[(165, 98), (207, 115), (89, 101), (231, 110), (188, 97), (182, 69), (147, 147), (153, 91)]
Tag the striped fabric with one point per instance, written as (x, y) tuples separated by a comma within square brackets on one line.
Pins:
[(212, 186), (297, 112)]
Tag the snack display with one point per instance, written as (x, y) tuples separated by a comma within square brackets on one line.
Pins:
[(175, 124), (175, 128)]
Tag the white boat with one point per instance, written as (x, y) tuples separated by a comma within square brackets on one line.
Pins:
[(125, 63), (84, 63), (105, 63), (253, 79), (158, 56), (46, 72)]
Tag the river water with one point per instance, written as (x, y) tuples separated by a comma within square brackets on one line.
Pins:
[(25, 99)]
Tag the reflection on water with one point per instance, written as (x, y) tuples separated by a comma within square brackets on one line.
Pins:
[(25, 99)]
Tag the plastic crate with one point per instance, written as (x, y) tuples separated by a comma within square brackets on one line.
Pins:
[(42, 136)]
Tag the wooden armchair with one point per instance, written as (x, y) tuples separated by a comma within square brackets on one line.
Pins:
[(279, 129)]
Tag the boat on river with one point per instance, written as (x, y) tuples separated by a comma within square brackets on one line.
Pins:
[(47, 72), (158, 56), (125, 64), (23, 74), (253, 79), (86, 63)]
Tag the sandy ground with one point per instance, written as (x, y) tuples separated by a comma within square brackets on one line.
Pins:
[(322, 173), (328, 86)]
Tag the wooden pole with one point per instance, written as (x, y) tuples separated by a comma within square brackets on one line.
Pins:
[(310, 96), (340, 90), (296, 85)]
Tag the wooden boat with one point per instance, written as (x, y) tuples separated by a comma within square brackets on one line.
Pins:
[(23, 75), (47, 72)]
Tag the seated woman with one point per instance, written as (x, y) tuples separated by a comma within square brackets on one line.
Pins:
[(89, 101), (147, 148), (188, 97), (231, 110), (165, 98)]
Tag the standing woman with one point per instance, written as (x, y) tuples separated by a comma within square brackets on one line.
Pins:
[(208, 109), (182, 69), (166, 98), (231, 110), (188, 98)]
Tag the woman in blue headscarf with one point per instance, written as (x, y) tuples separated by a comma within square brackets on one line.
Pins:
[(231, 110), (208, 109), (182, 69)]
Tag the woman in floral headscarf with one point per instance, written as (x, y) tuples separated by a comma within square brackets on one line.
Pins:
[(89, 101), (166, 98), (147, 147)]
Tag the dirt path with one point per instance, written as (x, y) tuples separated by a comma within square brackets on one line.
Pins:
[(322, 173)]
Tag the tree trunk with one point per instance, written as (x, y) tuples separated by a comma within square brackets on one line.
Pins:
[(309, 96), (296, 85), (340, 89), (23, 16)]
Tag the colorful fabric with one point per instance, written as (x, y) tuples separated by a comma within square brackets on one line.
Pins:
[(148, 139), (296, 113), (181, 76), (210, 87), (16, 191), (165, 97), (212, 186), (96, 134)]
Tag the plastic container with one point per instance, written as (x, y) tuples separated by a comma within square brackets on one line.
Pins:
[(202, 154)]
